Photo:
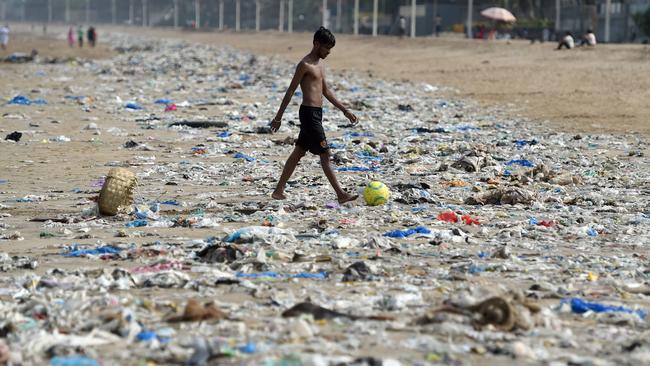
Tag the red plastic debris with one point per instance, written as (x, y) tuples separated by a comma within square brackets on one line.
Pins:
[(448, 216), (545, 223), (468, 220), (170, 108)]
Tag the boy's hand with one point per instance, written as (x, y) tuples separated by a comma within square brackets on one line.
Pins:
[(353, 119), (275, 124)]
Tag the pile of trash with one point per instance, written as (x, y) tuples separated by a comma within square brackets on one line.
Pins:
[(502, 238)]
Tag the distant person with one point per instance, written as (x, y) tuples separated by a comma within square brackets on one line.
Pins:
[(540, 37), (401, 27), (567, 41), (92, 36), (480, 32), (80, 36), (4, 36), (71, 37), (589, 39), (524, 34), (310, 75), (438, 25)]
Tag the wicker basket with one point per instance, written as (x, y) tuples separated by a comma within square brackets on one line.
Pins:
[(117, 191)]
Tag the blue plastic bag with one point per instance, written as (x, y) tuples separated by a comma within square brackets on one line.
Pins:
[(336, 146), (20, 100), (580, 306), (173, 203), (133, 106), (522, 162), (267, 274), (249, 348), (97, 251), (467, 128), (408, 232), (358, 134), (313, 276), (73, 361), (149, 335), (244, 156), (365, 155), (522, 143), (136, 223), (357, 169), (235, 236), (270, 274)]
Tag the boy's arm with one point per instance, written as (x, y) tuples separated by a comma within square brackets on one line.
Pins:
[(295, 81), (330, 96)]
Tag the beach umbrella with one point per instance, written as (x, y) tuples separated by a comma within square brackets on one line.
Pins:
[(499, 14)]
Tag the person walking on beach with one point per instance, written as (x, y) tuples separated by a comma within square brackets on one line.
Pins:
[(4, 36), (71, 37), (80, 36), (310, 75), (92, 36)]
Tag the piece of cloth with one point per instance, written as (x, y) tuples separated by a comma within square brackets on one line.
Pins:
[(312, 136)]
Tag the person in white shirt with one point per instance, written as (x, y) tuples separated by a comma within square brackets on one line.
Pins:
[(4, 36), (567, 41), (589, 39)]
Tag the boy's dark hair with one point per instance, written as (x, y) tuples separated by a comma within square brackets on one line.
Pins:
[(324, 37)]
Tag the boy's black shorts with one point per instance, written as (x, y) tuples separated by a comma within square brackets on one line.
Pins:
[(312, 137)]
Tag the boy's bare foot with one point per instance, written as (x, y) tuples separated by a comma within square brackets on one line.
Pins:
[(278, 196), (347, 198)]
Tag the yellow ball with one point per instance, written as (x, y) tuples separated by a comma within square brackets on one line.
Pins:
[(376, 193)]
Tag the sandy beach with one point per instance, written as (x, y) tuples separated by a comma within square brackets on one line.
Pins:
[(603, 89), (444, 121)]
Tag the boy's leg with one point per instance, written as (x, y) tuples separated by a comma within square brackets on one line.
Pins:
[(289, 167), (329, 173)]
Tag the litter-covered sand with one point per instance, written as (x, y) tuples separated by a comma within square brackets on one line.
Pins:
[(502, 239)]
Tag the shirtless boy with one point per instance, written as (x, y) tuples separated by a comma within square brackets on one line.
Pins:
[(310, 75)]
